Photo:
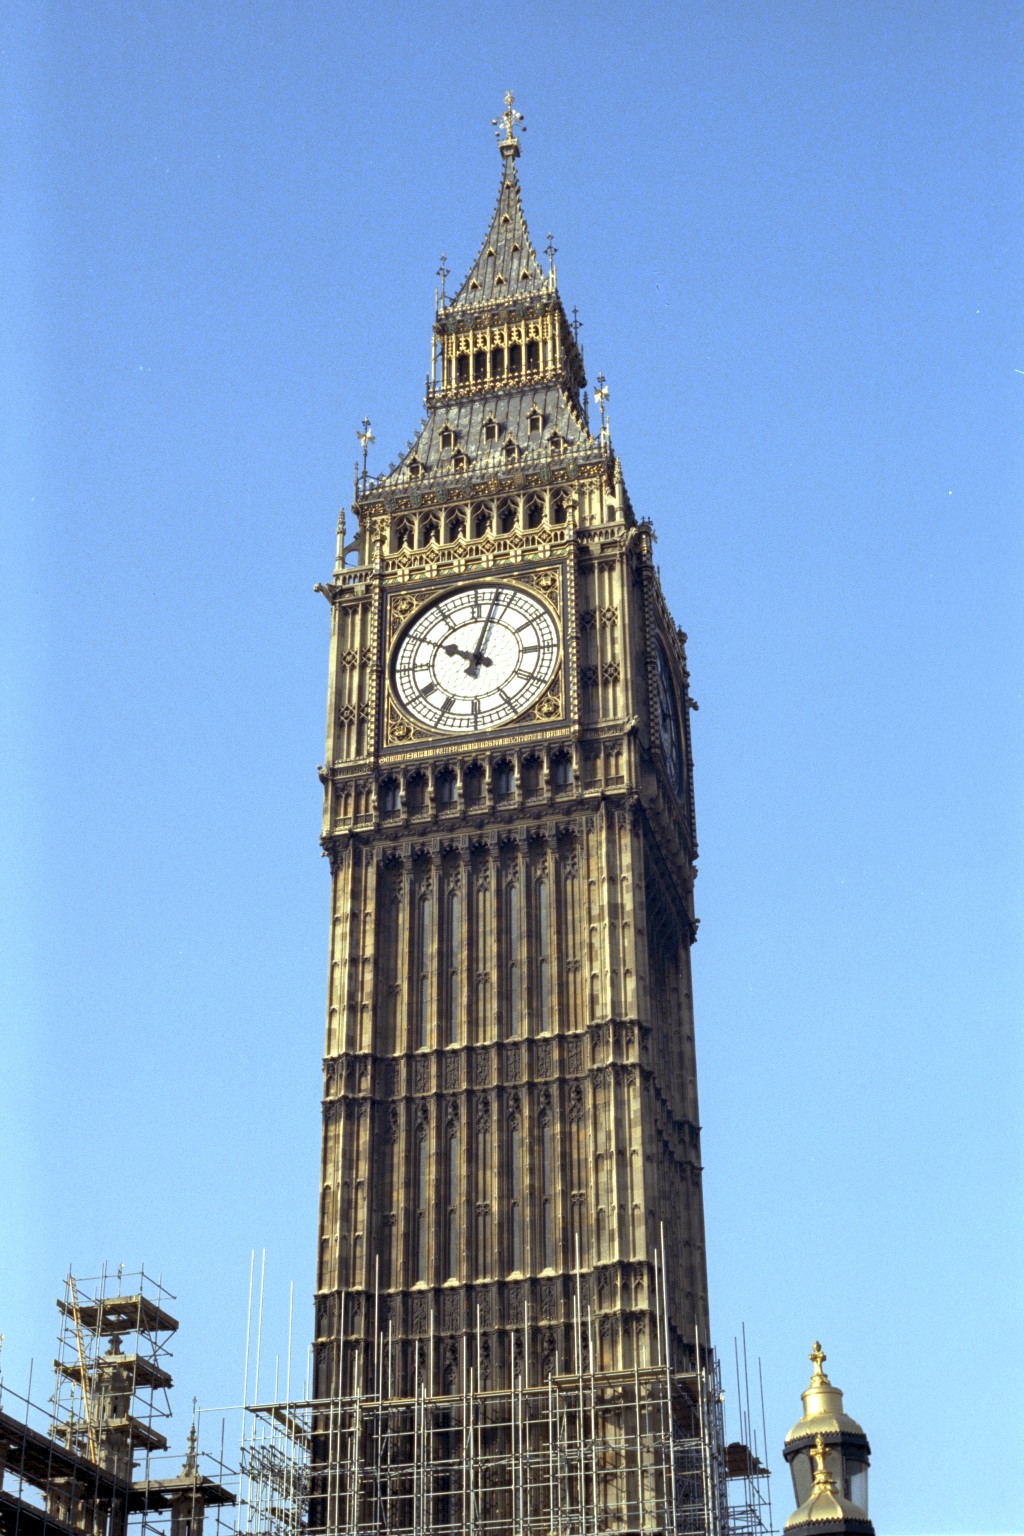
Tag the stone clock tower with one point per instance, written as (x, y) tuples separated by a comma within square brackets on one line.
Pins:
[(511, 1174)]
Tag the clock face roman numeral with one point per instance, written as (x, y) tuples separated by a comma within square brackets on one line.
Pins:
[(476, 659)]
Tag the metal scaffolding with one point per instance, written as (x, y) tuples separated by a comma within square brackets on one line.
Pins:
[(638, 1451), (91, 1463)]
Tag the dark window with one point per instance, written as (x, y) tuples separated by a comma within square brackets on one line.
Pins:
[(473, 784), (459, 462), (531, 775), (558, 507), (446, 787), (515, 358), (497, 362), (416, 792), (561, 770), (481, 520), (507, 514), (536, 421), (388, 797), (462, 368), (431, 531), (447, 437), (504, 779), (455, 527), (490, 431), (533, 354), (479, 366), (403, 534), (534, 511)]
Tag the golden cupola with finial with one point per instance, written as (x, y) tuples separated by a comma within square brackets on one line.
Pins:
[(828, 1455)]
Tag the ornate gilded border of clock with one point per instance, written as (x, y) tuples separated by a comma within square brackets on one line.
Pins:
[(551, 712)]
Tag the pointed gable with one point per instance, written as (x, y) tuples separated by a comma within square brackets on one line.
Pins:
[(507, 266)]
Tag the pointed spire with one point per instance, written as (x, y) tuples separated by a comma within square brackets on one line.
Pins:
[(191, 1463), (507, 266)]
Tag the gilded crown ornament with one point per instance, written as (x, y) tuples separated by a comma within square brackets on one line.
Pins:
[(509, 145)]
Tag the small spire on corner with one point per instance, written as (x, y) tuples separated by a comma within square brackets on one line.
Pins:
[(509, 145)]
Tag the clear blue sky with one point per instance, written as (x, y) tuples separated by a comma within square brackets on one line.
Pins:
[(794, 236)]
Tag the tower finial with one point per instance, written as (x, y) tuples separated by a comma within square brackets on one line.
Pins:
[(366, 437), (509, 145), (817, 1357)]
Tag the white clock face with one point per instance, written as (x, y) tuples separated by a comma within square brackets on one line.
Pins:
[(476, 658), (668, 722)]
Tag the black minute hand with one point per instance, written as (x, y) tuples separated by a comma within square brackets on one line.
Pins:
[(485, 634)]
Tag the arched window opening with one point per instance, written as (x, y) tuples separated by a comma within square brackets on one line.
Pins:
[(558, 507), (534, 511), (561, 770), (473, 784), (416, 792), (462, 368), (419, 1261), (508, 513), (482, 1170), (388, 797), (481, 519), (531, 775), (497, 362), (404, 530), (455, 525), (515, 1190), (532, 355), (430, 531), (515, 358), (454, 926), (446, 787), (479, 366), (422, 969), (543, 956), (547, 1163), (452, 1202), (504, 779), (513, 968)]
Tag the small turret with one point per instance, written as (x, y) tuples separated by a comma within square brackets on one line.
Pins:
[(828, 1455)]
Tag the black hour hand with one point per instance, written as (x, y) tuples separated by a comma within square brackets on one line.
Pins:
[(473, 657)]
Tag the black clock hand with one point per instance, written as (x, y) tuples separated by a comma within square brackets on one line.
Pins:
[(485, 634), (471, 656)]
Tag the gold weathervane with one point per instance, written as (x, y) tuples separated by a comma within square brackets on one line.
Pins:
[(509, 145)]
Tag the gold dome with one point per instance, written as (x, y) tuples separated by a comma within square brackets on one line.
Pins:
[(823, 1407)]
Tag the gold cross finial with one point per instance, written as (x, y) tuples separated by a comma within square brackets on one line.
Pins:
[(819, 1455), (509, 145)]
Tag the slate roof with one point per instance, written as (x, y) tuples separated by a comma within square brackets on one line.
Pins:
[(511, 410), (507, 265)]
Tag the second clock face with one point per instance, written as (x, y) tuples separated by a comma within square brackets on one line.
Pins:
[(476, 658), (668, 721)]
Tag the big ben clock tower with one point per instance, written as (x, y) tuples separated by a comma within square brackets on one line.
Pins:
[(511, 1176)]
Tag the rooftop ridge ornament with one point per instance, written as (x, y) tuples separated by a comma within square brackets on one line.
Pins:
[(509, 145), (366, 437)]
